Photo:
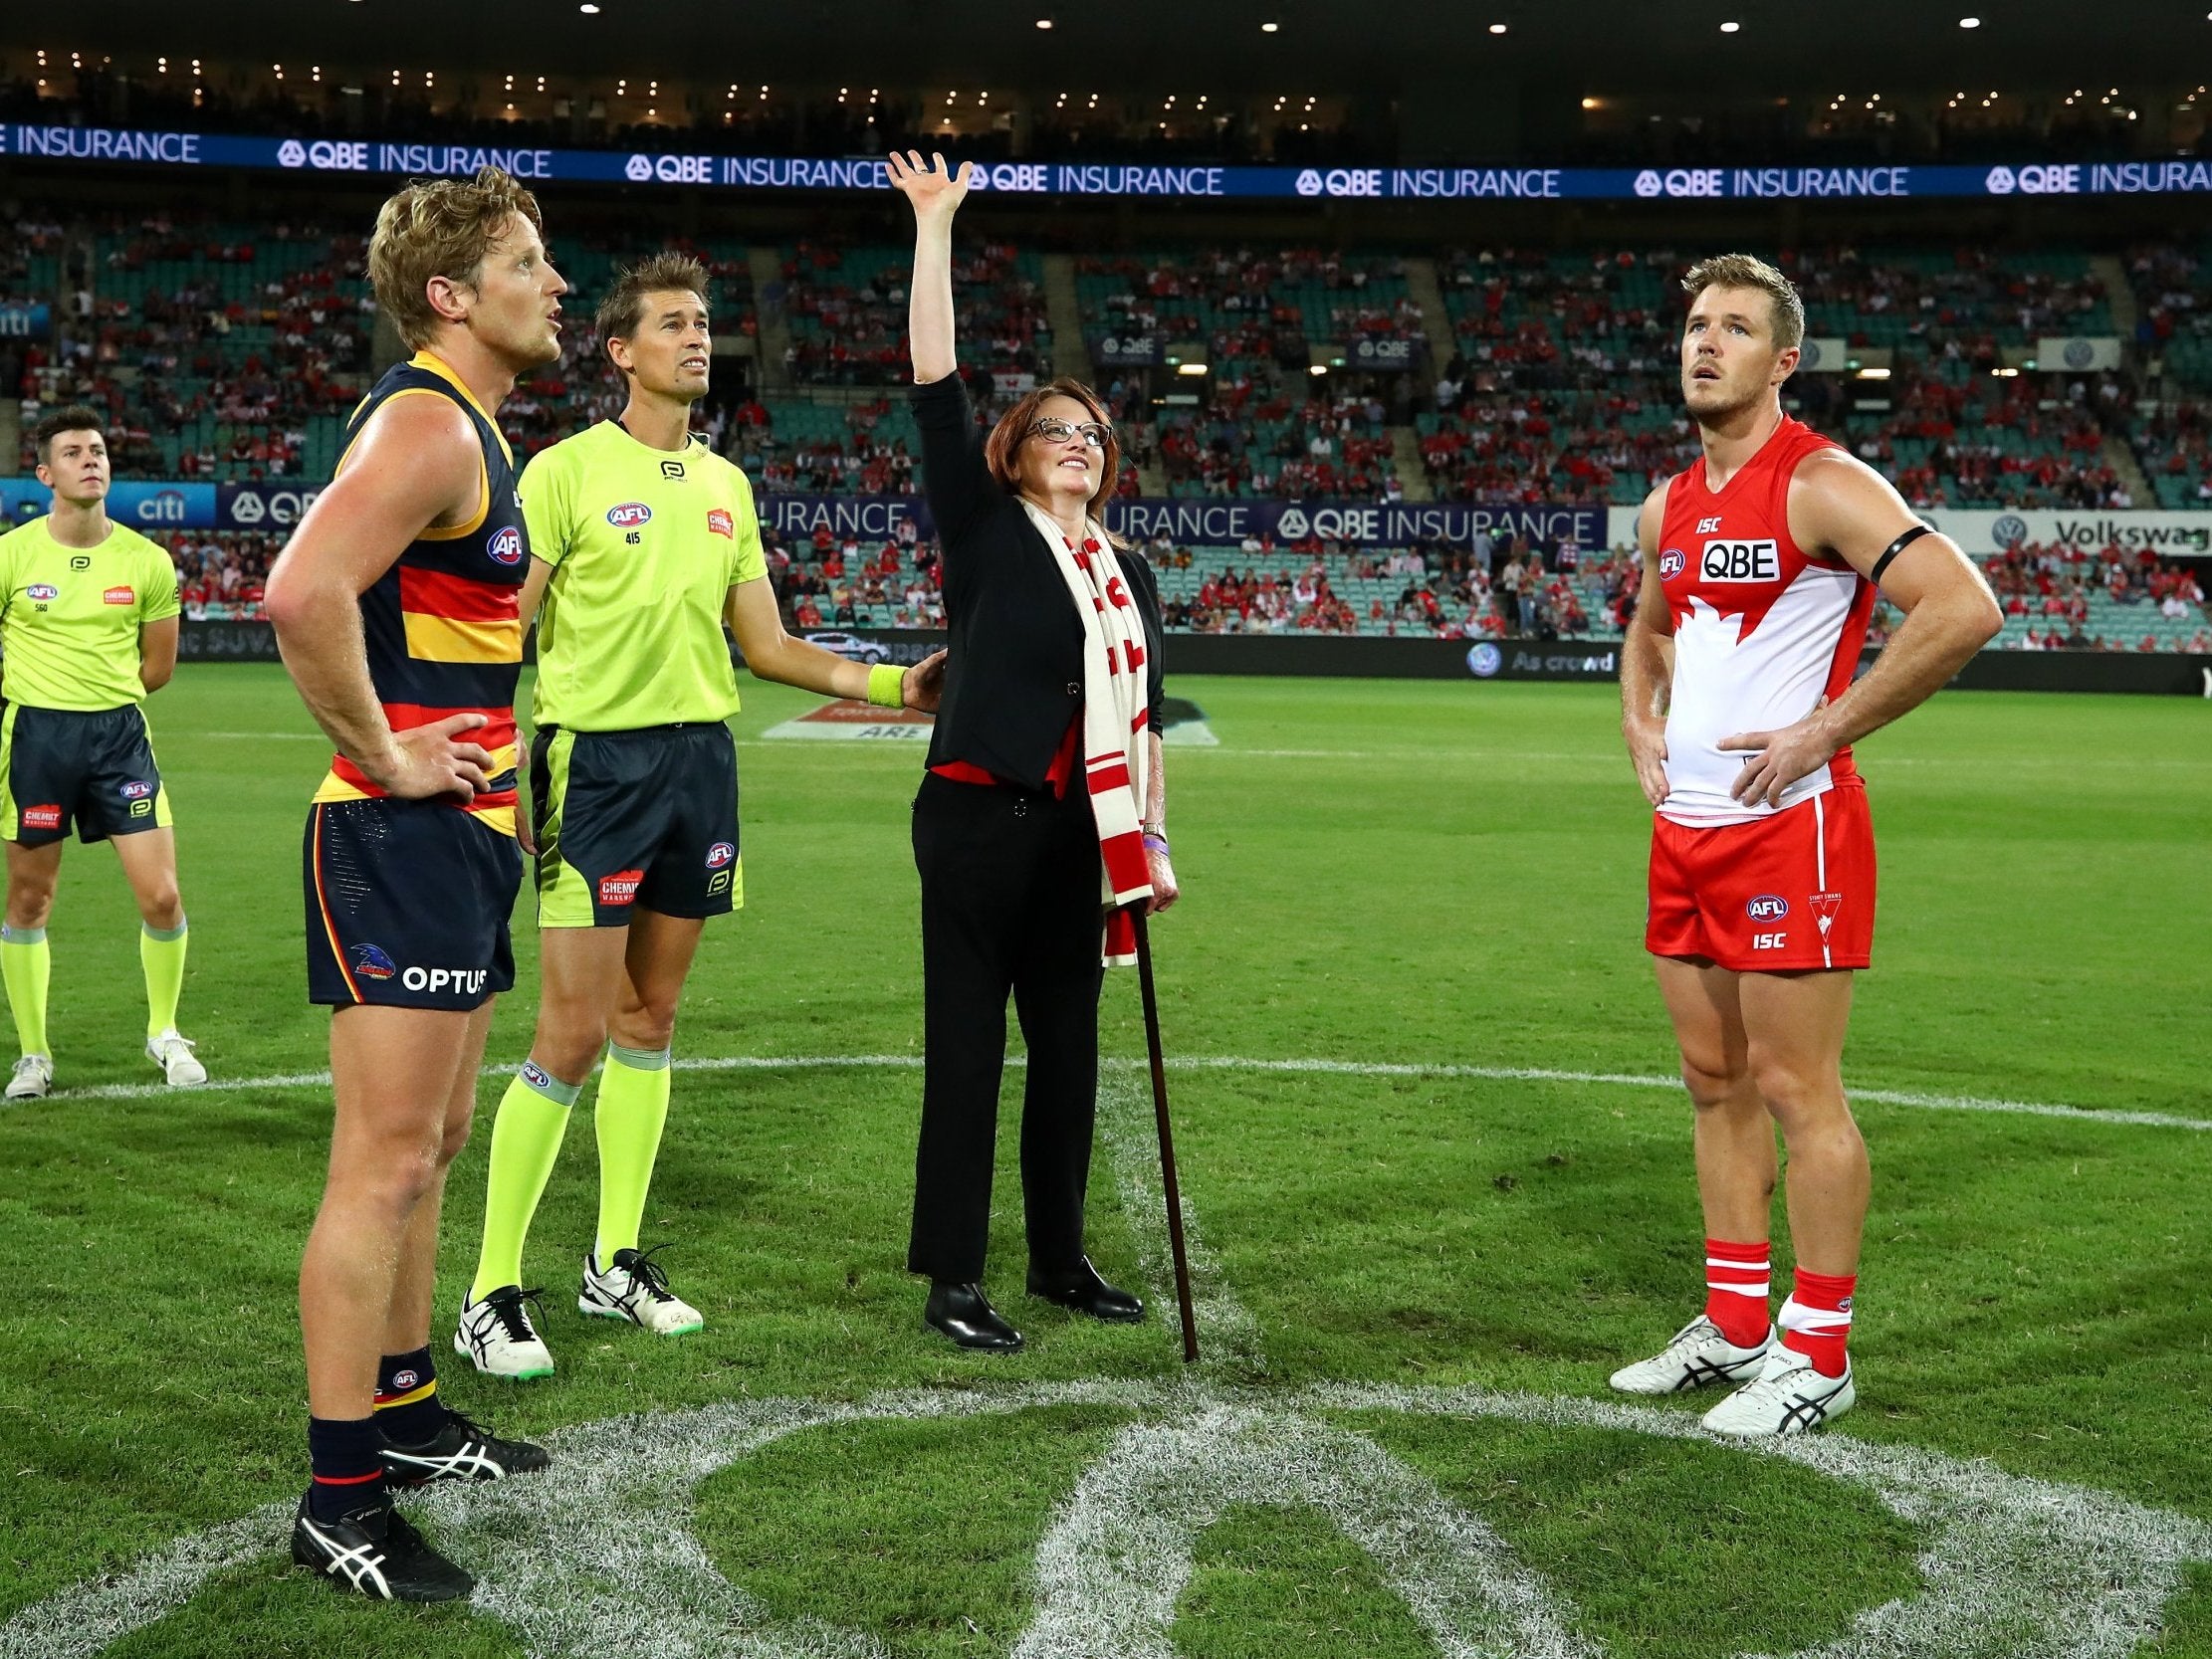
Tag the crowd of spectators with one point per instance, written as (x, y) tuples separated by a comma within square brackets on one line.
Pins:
[(846, 308), (2075, 598)]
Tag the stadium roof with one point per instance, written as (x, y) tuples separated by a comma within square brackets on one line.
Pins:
[(1324, 46)]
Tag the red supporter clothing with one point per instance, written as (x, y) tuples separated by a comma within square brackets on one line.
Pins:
[(1776, 894), (1763, 630), (1057, 774)]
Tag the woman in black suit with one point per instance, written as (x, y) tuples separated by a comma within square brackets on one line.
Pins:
[(1043, 808)]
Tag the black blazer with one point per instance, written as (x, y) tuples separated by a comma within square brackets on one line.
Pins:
[(1015, 676)]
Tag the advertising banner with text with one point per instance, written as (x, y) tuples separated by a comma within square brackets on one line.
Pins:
[(60, 142)]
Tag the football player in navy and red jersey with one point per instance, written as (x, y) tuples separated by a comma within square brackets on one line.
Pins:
[(1761, 566), (397, 608)]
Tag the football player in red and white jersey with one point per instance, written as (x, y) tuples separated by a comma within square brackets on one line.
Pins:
[(1761, 565)]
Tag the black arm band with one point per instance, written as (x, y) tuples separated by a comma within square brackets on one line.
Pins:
[(1894, 548)]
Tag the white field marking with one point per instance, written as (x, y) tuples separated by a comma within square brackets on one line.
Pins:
[(265, 737), (1228, 1062), (600, 1559), (1121, 1550), (1229, 1335)]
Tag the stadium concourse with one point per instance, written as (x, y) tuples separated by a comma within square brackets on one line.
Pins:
[(228, 350)]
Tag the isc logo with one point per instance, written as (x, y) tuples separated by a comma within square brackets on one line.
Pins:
[(1740, 561), (629, 516)]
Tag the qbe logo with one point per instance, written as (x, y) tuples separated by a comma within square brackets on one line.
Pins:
[(1484, 661), (1670, 564), (1309, 182), (629, 516), (1767, 907), (506, 545), (2053, 179), (1740, 561), (721, 854), (669, 169), (326, 155), (1680, 183)]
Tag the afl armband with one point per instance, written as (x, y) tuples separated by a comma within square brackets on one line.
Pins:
[(1894, 548)]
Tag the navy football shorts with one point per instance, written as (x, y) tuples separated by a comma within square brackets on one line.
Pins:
[(407, 905)]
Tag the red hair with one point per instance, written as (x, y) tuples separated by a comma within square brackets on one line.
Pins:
[(1006, 438)]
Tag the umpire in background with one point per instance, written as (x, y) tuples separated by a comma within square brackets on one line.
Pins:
[(1042, 811)]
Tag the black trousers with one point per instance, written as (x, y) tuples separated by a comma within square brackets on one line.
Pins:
[(1010, 902)]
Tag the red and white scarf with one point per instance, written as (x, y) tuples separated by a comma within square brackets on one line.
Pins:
[(1116, 715)]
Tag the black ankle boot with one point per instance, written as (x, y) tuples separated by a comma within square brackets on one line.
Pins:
[(1081, 1289), (963, 1314)]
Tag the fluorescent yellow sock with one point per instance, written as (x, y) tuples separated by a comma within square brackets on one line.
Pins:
[(27, 966), (161, 956), (633, 1106), (526, 1139)]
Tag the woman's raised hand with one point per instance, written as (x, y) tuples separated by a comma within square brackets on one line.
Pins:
[(936, 191)]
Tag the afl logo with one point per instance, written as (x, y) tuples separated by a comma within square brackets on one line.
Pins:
[(1670, 564), (136, 790), (506, 545), (370, 963), (42, 590), (721, 854), (1768, 906), (628, 516)]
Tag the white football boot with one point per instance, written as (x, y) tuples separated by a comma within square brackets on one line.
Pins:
[(496, 1335), (173, 1054), (34, 1074), (1789, 1397), (635, 1288), (1697, 1357)]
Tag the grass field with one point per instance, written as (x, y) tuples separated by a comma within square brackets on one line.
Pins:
[(1377, 875)]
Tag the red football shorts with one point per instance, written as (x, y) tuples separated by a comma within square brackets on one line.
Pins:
[(1776, 894)]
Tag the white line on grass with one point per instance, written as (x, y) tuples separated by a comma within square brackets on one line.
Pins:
[(1236, 1063), (600, 1559), (1227, 1334)]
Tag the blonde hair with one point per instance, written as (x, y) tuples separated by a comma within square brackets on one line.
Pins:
[(1749, 271), (440, 226)]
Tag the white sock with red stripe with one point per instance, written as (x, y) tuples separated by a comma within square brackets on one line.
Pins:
[(1816, 1320), (1736, 1282)]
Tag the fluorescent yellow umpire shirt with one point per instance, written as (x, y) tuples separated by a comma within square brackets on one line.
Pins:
[(645, 545), (72, 615)]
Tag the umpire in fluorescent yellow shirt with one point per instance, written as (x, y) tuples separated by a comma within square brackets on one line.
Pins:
[(87, 624), (643, 545)]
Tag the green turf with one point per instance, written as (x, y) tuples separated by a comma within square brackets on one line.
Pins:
[(1374, 872)]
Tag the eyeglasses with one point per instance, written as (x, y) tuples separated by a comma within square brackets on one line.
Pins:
[(1054, 431)]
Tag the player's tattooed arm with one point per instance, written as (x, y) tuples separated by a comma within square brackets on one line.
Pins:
[(1842, 507), (414, 466), (1646, 670)]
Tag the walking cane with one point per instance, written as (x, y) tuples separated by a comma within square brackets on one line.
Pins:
[(1167, 1139)]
